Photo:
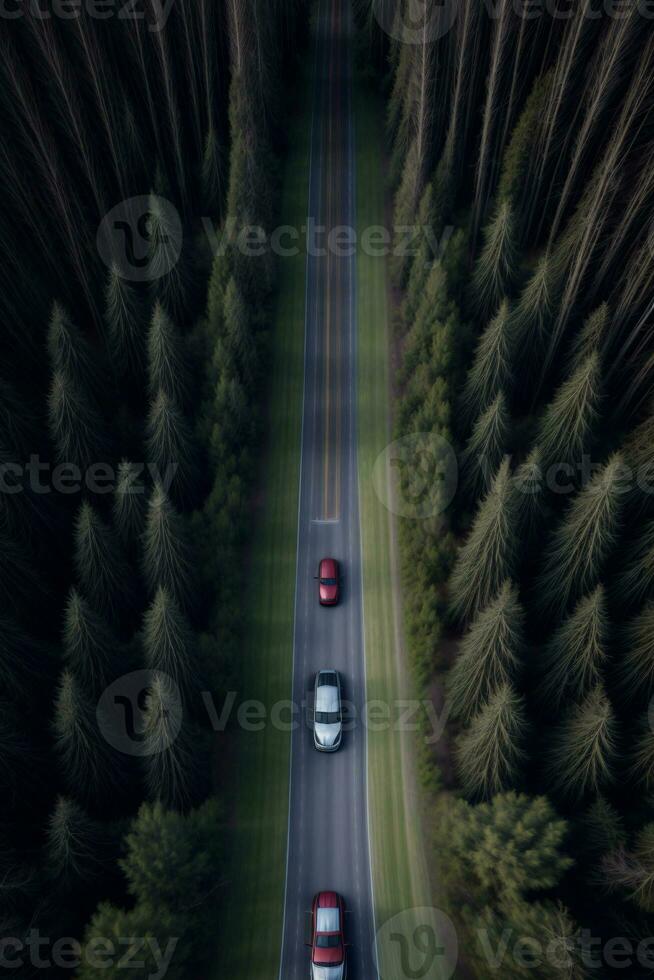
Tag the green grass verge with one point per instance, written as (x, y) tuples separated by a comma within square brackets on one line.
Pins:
[(250, 927), (399, 866)]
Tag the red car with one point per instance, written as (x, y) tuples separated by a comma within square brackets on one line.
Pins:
[(328, 937), (329, 584)]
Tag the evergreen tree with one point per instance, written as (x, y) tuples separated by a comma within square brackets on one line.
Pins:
[(90, 768), (69, 352), (490, 754), (166, 550), (75, 427), (486, 447), (76, 846), (167, 360), (101, 566), (574, 658), (492, 369), (532, 318), (633, 584), (167, 267), (642, 758), (124, 322), (169, 441), (528, 492), (510, 846), (591, 337), (171, 929), (168, 641), (239, 342), (633, 871), (170, 755), (174, 859), (636, 671), (129, 504), (582, 756), (569, 421), (582, 543), (496, 269), (490, 655), (488, 556), (90, 650)]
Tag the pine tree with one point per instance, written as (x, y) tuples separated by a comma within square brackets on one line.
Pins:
[(129, 504), (117, 927), (575, 559), (496, 269), (90, 768), (167, 361), (575, 656), (169, 441), (633, 584), (167, 268), (490, 754), (532, 318), (168, 641), (529, 497), (101, 566), (173, 858), (493, 368), (490, 655), (642, 758), (124, 322), (169, 753), (488, 556), (633, 871), (69, 352), (517, 156), (74, 846), (569, 421), (636, 671), (509, 847), (166, 550), (583, 753), (601, 830), (591, 337), (238, 333), (486, 447), (75, 427), (90, 650)]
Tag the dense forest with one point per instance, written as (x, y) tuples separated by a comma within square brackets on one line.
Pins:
[(528, 346), (120, 357)]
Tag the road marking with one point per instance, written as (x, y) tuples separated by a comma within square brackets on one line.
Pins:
[(326, 520)]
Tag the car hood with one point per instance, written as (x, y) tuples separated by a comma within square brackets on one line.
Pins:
[(327, 972), (327, 735)]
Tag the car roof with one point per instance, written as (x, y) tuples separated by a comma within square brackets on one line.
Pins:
[(327, 698), (328, 919)]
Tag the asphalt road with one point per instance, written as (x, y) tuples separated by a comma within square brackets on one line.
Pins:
[(328, 845)]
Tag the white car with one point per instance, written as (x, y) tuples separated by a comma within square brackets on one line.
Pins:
[(327, 714)]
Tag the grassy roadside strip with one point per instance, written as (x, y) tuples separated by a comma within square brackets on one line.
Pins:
[(251, 922), (399, 865)]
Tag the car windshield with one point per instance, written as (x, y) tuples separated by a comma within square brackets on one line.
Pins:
[(328, 717), (328, 942), (328, 581)]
